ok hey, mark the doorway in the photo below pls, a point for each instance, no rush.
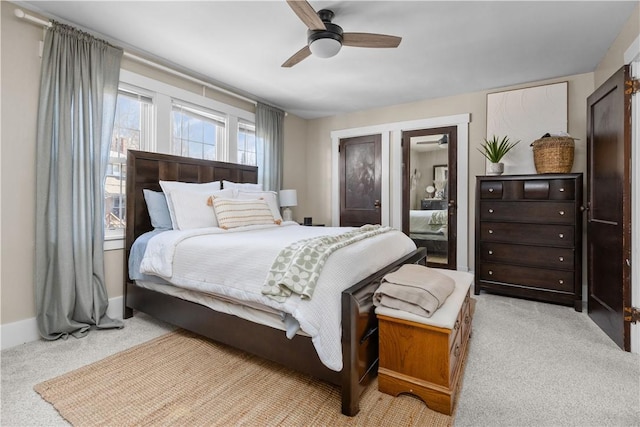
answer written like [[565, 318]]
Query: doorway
[[430, 192]]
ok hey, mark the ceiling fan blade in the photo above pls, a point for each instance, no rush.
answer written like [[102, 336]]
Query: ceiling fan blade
[[370, 40], [307, 14], [297, 57]]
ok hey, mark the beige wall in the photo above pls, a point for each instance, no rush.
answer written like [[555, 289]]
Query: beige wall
[[307, 160], [19, 88], [319, 136]]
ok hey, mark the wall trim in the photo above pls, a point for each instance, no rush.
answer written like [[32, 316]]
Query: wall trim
[[24, 331], [392, 182]]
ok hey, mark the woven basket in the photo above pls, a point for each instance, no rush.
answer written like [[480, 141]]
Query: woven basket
[[553, 154]]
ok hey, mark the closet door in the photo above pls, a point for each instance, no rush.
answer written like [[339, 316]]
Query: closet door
[[360, 180], [430, 188]]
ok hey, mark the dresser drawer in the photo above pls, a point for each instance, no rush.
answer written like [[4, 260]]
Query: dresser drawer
[[552, 235], [557, 280], [491, 190], [562, 189], [534, 256], [552, 189], [530, 211]]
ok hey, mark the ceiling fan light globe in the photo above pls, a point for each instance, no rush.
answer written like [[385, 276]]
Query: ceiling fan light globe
[[325, 47]]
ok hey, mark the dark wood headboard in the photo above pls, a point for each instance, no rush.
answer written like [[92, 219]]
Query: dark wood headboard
[[145, 170]]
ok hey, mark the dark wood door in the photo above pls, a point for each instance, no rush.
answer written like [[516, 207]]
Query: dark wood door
[[441, 250], [608, 206], [360, 180]]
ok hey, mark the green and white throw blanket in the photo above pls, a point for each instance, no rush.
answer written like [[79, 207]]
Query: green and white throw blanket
[[297, 267]]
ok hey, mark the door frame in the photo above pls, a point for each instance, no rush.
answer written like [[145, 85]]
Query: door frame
[[632, 57], [392, 170]]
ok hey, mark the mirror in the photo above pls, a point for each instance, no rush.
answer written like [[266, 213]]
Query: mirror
[[428, 207]]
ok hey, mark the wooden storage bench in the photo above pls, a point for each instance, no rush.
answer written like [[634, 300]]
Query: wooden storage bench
[[424, 356]]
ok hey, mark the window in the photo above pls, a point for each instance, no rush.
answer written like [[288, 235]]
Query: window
[[196, 132], [155, 116], [247, 143], [131, 130]]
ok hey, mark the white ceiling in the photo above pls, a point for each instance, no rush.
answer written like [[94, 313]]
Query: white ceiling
[[447, 47]]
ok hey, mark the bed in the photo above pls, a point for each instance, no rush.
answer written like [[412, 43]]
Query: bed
[[358, 341], [429, 228]]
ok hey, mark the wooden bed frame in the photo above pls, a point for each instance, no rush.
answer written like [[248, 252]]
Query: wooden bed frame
[[359, 323]]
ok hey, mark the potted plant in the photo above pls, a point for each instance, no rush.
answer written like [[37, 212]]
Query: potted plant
[[494, 150]]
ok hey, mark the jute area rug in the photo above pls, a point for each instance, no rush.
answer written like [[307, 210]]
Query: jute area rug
[[182, 379]]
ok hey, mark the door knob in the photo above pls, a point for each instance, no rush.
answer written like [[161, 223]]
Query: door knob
[[377, 204], [452, 203]]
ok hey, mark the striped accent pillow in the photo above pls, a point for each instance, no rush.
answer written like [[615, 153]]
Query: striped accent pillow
[[233, 213]]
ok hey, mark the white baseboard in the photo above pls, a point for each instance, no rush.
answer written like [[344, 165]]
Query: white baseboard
[[24, 331]]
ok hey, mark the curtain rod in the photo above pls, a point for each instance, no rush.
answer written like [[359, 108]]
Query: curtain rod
[[20, 14]]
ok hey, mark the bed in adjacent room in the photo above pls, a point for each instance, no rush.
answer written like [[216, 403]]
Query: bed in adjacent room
[[429, 228], [252, 284]]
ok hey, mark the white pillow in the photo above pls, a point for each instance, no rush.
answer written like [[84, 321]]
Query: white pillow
[[192, 209], [271, 197], [233, 213], [241, 186], [169, 187]]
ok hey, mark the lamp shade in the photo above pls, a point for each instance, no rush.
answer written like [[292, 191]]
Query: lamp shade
[[325, 47], [288, 198]]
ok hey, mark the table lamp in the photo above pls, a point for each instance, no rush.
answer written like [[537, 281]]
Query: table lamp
[[288, 198]]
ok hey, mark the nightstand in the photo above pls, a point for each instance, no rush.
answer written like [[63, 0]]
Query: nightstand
[[433, 204]]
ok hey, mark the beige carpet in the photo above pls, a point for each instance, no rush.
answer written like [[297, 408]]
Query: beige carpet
[[183, 379]]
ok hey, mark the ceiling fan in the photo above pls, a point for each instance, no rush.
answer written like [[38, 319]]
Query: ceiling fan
[[324, 39]]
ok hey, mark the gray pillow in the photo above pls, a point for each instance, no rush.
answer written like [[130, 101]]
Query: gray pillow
[[158, 209]]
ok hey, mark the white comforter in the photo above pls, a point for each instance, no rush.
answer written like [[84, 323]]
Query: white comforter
[[234, 263]]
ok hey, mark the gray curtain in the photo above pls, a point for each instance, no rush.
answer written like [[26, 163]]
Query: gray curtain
[[270, 131], [78, 90]]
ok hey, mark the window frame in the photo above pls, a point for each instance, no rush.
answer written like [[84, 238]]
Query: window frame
[[163, 95]]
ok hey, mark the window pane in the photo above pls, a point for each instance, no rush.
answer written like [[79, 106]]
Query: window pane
[[209, 152], [247, 144], [200, 132], [133, 114], [196, 130]]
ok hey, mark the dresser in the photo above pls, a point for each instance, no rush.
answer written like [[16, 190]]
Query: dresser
[[528, 240]]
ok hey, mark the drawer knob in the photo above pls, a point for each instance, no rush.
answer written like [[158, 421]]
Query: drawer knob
[[561, 235], [561, 259], [491, 190], [490, 272], [561, 281], [490, 210], [561, 212], [490, 231], [490, 252], [562, 190]]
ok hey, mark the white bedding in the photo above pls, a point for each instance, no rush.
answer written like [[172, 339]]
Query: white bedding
[[427, 221], [234, 263]]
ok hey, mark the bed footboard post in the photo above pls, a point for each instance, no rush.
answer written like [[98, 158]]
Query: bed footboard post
[[350, 378], [360, 334]]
